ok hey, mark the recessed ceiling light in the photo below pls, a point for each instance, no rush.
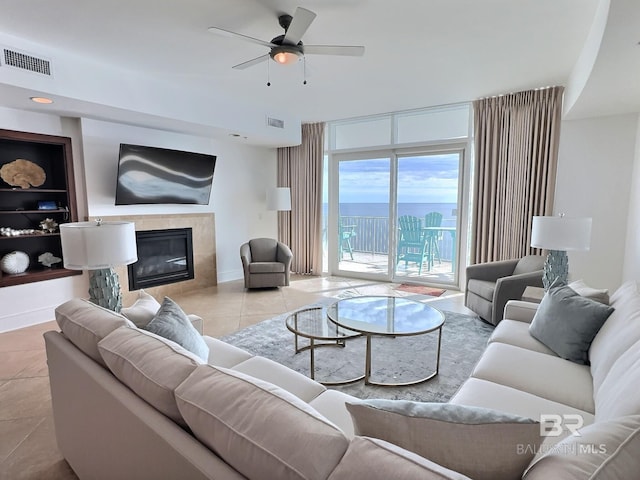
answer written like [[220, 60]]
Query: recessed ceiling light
[[41, 100]]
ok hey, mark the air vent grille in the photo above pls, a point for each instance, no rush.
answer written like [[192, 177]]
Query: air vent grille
[[275, 122], [26, 62]]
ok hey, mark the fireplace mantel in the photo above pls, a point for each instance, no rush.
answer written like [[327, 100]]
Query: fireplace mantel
[[204, 251]]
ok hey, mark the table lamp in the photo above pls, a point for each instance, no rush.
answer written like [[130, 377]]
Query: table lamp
[[98, 246], [557, 235]]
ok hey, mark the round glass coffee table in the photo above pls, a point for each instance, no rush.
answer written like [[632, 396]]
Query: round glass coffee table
[[313, 324], [387, 317]]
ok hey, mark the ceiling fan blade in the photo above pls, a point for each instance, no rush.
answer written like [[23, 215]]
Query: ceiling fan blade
[[251, 63], [349, 50], [298, 26], [227, 33]]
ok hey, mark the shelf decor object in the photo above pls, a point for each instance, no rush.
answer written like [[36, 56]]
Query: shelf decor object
[[36, 171], [48, 259], [99, 246], [557, 235], [23, 173], [14, 262]]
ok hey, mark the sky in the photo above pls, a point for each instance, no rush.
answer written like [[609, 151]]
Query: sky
[[423, 179]]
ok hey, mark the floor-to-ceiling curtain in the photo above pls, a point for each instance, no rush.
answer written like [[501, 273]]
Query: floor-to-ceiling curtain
[[300, 168], [516, 156]]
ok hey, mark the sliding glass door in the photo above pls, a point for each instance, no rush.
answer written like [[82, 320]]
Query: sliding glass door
[[395, 215], [362, 223], [427, 200]]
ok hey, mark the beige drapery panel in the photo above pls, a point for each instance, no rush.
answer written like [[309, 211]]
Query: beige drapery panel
[[516, 157], [300, 168]]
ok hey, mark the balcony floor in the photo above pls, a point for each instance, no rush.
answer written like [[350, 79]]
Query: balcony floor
[[440, 274]]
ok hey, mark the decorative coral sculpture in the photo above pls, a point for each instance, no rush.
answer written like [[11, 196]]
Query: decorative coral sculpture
[[22, 173], [47, 259]]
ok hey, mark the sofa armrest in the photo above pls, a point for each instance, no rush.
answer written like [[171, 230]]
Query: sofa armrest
[[284, 255], [245, 255], [196, 321], [512, 288], [491, 271], [520, 310]]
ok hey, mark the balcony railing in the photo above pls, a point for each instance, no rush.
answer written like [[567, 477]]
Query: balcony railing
[[372, 236]]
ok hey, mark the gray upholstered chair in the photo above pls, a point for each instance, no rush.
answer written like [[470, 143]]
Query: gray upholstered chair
[[266, 263], [490, 285]]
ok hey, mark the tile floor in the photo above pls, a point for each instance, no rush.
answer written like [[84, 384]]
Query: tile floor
[[27, 438]]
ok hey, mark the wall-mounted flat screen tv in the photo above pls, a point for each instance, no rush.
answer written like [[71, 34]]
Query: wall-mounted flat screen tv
[[148, 175]]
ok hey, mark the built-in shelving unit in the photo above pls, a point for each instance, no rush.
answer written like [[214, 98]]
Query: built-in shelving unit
[[19, 207]]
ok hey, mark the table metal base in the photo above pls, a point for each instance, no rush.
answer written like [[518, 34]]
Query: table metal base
[[312, 368], [367, 369]]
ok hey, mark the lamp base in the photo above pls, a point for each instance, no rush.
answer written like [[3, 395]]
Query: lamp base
[[104, 289], [556, 266]]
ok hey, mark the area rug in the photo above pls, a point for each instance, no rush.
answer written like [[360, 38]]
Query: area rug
[[394, 359], [421, 290]]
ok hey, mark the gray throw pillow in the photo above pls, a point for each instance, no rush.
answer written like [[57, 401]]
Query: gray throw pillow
[[566, 322], [172, 323]]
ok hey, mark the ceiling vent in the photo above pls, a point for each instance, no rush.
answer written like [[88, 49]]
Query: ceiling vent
[[23, 61], [275, 122]]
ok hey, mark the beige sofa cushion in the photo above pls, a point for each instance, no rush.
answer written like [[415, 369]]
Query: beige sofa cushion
[[293, 382], [484, 444], [373, 459], [332, 404], [543, 375], [598, 294], [142, 311], [85, 324], [482, 393], [604, 451], [618, 396], [516, 333], [257, 427], [223, 354], [149, 365], [619, 332]]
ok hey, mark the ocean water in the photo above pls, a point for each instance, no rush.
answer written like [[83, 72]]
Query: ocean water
[[448, 210], [371, 222]]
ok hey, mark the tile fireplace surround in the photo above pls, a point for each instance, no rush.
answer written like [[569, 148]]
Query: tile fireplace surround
[[204, 251]]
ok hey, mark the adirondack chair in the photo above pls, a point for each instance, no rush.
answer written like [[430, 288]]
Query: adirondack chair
[[412, 242], [433, 219]]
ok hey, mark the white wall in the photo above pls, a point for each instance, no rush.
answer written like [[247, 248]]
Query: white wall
[[594, 170], [631, 269], [238, 195], [238, 199]]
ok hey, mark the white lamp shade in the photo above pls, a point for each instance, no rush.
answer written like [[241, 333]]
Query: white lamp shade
[[92, 246], [561, 233], [279, 198]]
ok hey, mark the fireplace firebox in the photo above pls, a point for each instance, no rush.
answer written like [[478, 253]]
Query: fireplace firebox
[[164, 256]]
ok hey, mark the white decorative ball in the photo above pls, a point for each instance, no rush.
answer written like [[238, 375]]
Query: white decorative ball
[[14, 262]]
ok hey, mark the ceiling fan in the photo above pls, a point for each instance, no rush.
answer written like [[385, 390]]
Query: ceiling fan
[[288, 48]]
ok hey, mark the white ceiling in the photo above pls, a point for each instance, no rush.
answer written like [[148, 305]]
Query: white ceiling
[[419, 53]]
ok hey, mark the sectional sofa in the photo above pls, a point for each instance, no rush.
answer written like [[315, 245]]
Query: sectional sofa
[[128, 403]]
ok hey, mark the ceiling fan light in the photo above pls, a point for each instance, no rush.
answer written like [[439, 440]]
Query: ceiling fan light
[[286, 55]]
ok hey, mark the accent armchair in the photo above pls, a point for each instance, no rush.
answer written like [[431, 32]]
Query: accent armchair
[[266, 263], [490, 285]]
